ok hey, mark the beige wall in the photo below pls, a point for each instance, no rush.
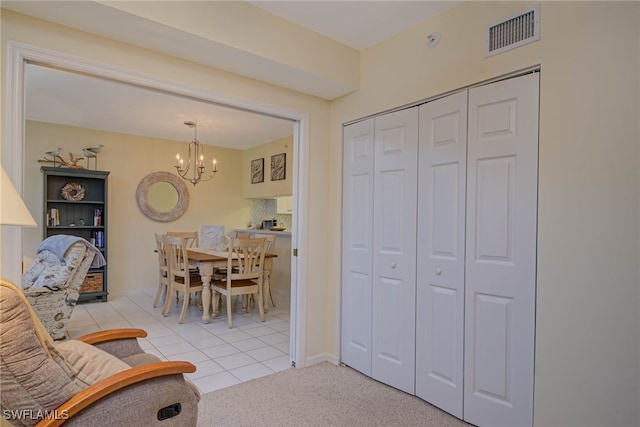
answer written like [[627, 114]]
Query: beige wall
[[268, 188], [51, 36], [130, 158], [280, 41], [587, 343], [587, 328]]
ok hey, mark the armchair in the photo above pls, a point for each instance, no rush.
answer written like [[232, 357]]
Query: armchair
[[101, 379], [52, 283]]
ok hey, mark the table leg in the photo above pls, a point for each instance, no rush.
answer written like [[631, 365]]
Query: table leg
[[266, 292], [266, 286], [206, 273], [206, 298]]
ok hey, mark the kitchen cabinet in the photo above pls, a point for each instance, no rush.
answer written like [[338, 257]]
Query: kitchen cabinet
[[268, 188], [284, 205]]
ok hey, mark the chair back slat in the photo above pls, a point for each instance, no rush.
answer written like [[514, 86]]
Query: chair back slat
[[190, 237], [271, 242], [162, 258], [180, 277], [163, 269], [248, 254], [176, 253]]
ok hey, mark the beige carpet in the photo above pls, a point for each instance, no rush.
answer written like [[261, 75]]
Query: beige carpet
[[320, 395]]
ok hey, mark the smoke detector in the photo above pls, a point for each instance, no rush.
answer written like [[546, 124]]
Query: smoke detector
[[433, 39]]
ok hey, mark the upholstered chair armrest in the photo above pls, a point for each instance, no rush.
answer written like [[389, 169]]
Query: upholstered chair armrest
[[112, 334], [121, 343], [109, 402]]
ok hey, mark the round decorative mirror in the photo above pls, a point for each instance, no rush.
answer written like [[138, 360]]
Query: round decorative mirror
[[162, 196]]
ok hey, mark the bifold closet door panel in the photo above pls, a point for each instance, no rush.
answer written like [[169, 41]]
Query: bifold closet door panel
[[357, 245], [442, 170], [502, 171], [394, 248]]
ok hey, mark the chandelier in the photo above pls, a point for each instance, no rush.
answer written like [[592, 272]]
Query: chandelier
[[195, 161]]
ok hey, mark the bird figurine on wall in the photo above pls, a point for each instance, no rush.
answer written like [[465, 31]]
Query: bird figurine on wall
[[92, 152]]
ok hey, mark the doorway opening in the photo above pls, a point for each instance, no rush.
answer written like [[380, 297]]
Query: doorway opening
[[13, 149]]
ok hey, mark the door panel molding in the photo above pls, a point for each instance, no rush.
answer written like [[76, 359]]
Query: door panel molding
[[441, 241]]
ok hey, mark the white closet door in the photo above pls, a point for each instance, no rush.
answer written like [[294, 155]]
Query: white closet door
[[394, 246], [501, 252], [357, 254], [441, 249]]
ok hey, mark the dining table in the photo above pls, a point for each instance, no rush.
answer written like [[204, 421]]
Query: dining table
[[207, 260]]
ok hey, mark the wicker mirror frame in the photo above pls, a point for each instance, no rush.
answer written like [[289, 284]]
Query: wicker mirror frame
[[142, 196]]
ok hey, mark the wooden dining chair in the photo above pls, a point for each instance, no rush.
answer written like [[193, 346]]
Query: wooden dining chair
[[181, 279], [190, 237], [191, 241], [221, 272], [271, 244], [245, 272], [266, 283], [163, 270]]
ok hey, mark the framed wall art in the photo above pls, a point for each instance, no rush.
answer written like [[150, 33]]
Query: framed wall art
[[278, 167], [257, 171]]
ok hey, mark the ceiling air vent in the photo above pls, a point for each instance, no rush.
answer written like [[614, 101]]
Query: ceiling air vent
[[516, 31]]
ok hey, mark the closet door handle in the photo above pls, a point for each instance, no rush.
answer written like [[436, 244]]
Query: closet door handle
[[393, 265], [438, 271]]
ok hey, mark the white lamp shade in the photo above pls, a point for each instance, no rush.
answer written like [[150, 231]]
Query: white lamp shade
[[12, 208]]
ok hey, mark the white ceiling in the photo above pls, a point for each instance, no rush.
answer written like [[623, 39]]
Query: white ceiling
[[358, 24], [61, 97], [78, 100]]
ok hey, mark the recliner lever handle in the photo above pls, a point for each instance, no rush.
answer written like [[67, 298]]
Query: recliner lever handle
[[169, 411]]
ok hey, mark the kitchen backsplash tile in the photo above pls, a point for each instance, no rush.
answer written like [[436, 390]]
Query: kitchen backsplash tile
[[263, 209]]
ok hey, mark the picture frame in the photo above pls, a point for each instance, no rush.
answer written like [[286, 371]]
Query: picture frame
[[257, 171], [279, 167]]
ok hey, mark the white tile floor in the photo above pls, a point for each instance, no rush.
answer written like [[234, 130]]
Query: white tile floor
[[222, 356]]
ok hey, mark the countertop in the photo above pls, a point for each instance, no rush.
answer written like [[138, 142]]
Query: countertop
[[257, 230]]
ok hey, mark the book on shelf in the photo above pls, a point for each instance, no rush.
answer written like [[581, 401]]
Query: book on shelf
[[97, 217], [98, 237], [53, 217]]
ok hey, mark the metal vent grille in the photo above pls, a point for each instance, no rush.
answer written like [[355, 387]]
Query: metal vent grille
[[516, 31]]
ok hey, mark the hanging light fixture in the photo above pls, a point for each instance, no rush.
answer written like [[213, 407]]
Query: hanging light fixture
[[195, 161]]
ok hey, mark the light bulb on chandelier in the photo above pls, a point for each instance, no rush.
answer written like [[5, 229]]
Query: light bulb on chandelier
[[195, 161]]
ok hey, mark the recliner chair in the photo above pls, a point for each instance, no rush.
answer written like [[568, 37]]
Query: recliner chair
[[52, 283], [103, 378]]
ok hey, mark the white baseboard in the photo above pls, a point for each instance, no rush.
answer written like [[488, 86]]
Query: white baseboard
[[319, 358]]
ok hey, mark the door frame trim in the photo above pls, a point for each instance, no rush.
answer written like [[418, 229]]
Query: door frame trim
[[518, 73], [13, 153]]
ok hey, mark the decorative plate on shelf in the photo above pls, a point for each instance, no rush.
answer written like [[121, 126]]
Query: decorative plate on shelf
[[277, 228], [73, 191]]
